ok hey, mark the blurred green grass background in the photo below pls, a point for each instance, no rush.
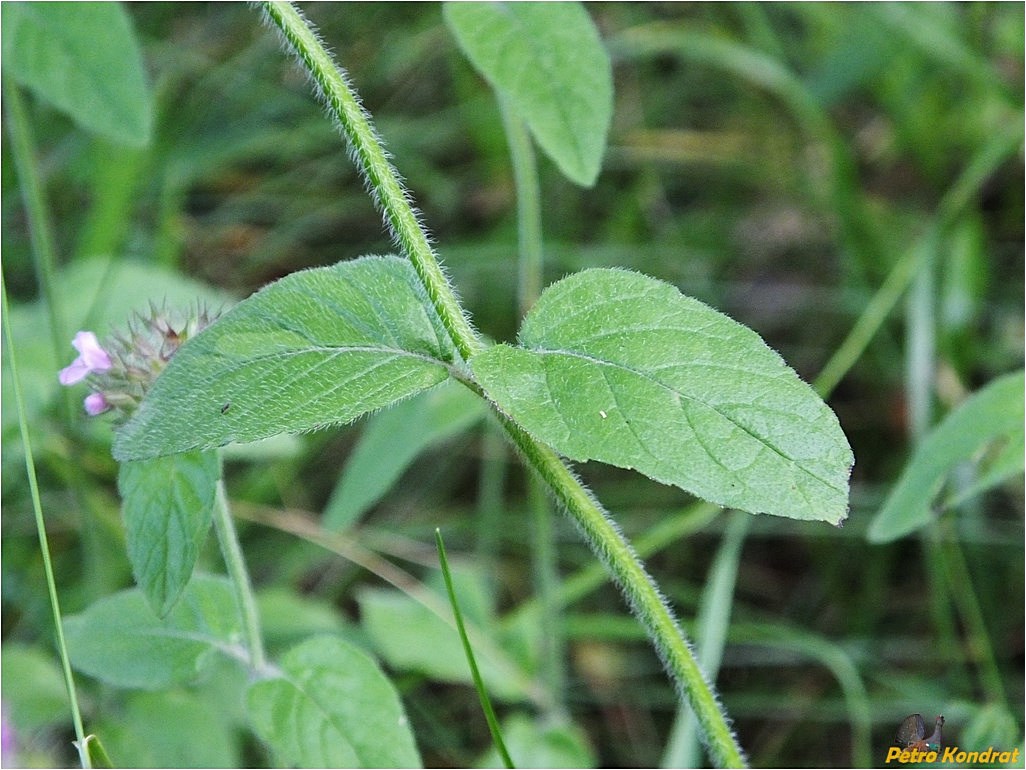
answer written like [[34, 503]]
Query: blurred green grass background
[[778, 165]]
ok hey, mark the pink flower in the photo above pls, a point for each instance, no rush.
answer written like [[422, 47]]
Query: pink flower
[[91, 359], [96, 403]]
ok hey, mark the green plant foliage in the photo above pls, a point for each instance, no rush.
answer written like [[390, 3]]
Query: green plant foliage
[[166, 505], [995, 413], [332, 707], [392, 440], [468, 649], [548, 61], [797, 166], [534, 744], [991, 725], [287, 617], [410, 637], [317, 348], [622, 368], [98, 756], [32, 688], [84, 59], [175, 728], [120, 641]]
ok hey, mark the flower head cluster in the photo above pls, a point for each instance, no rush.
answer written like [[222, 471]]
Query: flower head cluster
[[122, 369]]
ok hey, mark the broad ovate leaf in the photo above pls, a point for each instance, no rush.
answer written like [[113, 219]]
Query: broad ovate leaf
[[84, 59], [120, 641], [319, 347], [993, 415], [548, 62], [622, 368], [166, 504], [332, 707]]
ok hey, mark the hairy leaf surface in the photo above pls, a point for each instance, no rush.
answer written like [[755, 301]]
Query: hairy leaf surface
[[317, 348], [622, 368], [547, 59]]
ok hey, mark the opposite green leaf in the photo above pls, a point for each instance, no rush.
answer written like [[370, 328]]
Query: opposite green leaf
[[332, 708], [84, 59], [121, 642], [166, 504], [317, 348], [994, 413], [622, 368], [547, 59]]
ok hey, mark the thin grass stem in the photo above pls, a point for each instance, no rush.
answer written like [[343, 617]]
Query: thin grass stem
[[44, 546], [479, 685]]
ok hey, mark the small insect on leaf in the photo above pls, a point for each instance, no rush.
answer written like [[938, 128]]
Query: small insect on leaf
[[226, 407]]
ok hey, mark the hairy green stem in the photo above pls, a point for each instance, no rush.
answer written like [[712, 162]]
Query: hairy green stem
[[228, 539], [595, 524], [641, 592], [383, 181], [44, 547], [711, 628]]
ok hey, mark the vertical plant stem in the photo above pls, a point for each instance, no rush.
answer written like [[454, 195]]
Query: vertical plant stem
[[546, 582], [228, 539], [920, 360], [44, 546], [599, 530], [529, 225], [488, 521], [960, 583]]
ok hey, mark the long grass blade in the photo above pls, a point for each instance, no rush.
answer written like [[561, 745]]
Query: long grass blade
[[44, 546], [482, 693]]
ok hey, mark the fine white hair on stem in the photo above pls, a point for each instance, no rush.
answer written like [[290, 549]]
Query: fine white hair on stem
[[381, 180]]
